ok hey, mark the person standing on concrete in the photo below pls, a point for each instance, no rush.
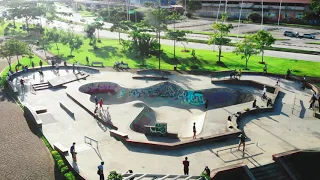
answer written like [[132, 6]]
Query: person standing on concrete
[[101, 103], [206, 104], [194, 131], [278, 82], [312, 101], [57, 68], [207, 170], [72, 149], [186, 166], [264, 95], [22, 84], [254, 104], [73, 68], [40, 63], [96, 100], [100, 171], [242, 141], [32, 64]]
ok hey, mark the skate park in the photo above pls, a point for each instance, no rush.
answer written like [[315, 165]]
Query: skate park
[[136, 106]]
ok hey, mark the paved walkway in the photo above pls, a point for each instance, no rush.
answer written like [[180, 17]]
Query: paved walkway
[[23, 154]]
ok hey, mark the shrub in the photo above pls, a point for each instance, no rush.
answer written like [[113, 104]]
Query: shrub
[[69, 176], [254, 17], [64, 169], [60, 163], [204, 176], [114, 176], [194, 67]]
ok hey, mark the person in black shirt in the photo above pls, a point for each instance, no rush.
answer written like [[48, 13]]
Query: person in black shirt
[[186, 166], [242, 141], [194, 131]]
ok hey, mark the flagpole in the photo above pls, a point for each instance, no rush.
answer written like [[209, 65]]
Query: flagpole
[[279, 12]]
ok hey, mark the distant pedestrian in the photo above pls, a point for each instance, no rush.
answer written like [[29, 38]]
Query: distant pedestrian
[[40, 63], [278, 82], [206, 104], [239, 74], [22, 84], [96, 100], [57, 67], [73, 149], [52, 63], [32, 64], [100, 171], [264, 92], [254, 104], [288, 74], [265, 69], [41, 74], [78, 66], [101, 102], [73, 68], [194, 131], [269, 102], [242, 141], [186, 164], [87, 59], [17, 69], [95, 113], [312, 101]]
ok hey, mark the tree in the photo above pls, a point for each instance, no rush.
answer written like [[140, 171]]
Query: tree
[[220, 30], [55, 36], [178, 35], [246, 48], [254, 17], [263, 39], [98, 25], [14, 47], [119, 23], [157, 19], [192, 5], [90, 29], [73, 41], [114, 176], [26, 11], [314, 11]]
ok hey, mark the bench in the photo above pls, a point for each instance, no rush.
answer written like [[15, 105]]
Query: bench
[[40, 110], [60, 148], [64, 107], [118, 134], [93, 63]]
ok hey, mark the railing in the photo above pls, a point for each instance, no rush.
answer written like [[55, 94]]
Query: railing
[[89, 141]]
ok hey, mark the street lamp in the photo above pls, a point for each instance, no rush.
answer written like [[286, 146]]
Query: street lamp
[[279, 13], [262, 14], [239, 20]]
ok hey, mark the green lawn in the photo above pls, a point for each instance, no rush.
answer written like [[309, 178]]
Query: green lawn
[[110, 51], [13, 32], [25, 61], [313, 43], [86, 13]]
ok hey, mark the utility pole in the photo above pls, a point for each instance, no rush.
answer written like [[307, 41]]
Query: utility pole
[[279, 13], [159, 55]]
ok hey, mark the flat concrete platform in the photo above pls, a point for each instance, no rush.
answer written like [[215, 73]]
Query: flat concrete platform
[[290, 126], [61, 80]]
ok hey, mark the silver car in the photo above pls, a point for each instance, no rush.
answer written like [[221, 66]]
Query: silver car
[[309, 36]]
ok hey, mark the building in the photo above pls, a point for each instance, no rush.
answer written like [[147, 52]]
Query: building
[[290, 9]]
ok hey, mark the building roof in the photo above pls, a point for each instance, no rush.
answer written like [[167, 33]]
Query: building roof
[[267, 1]]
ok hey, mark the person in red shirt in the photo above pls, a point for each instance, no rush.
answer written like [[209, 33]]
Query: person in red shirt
[[17, 69], [186, 166], [100, 102]]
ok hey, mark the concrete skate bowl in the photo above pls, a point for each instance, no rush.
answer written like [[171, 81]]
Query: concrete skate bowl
[[167, 94]]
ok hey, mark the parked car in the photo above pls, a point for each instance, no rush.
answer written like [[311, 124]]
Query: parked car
[[82, 20], [309, 36], [290, 34]]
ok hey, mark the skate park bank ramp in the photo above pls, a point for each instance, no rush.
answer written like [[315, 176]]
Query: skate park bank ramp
[[115, 94]]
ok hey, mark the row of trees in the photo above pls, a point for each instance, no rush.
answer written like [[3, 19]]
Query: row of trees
[[251, 44]]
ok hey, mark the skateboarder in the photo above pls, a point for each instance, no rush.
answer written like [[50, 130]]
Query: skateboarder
[[101, 102], [242, 141], [96, 100], [194, 131], [186, 166], [73, 152]]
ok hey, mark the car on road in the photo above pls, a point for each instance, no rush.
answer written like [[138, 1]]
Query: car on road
[[290, 34], [82, 20], [309, 36]]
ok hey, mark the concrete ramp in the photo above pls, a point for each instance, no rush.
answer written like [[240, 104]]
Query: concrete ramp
[[186, 130], [145, 117]]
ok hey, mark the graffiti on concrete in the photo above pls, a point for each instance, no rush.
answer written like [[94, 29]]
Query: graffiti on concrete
[[159, 128], [95, 88]]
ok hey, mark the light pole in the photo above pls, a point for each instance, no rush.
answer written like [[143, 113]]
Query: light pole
[[225, 9], [262, 14], [218, 11], [279, 12], [239, 20]]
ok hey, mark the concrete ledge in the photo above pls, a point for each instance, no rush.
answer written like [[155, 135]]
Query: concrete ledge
[[287, 153], [109, 124], [66, 108], [118, 135], [153, 72], [31, 114], [228, 169], [58, 147], [154, 78]]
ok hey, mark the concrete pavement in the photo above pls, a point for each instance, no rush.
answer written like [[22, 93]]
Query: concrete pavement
[[268, 133]]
